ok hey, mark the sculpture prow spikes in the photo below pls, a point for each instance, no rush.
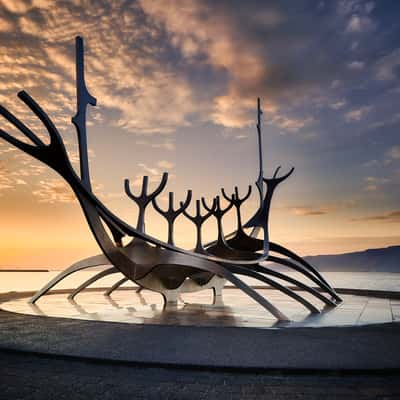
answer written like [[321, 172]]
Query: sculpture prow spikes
[[260, 218]]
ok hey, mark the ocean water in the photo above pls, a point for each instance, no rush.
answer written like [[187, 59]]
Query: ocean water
[[29, 281]]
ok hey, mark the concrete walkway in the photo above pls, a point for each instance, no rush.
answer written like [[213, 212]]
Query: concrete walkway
[[330, 348], [32, 377]]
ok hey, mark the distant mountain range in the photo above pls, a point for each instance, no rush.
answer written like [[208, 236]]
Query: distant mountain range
[[372, 260]]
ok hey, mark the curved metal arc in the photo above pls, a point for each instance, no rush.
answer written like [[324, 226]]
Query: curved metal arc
[[116, 286], [246, 196], [83, 264], [221, 211], [276, 180], [20, 126], [296, 282], [43, 117], [171, 212], [253, 274], [203, 202], [312, 277], [128, 190], [91, 280], [229, 199], [198, 218], [235, 198], [277, 248], [276, 171], [186, 203], [144, 196]]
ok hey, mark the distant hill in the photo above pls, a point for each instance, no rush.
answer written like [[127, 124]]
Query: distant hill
[[372, 260]]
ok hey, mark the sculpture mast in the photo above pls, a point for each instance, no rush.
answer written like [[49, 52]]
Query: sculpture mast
[[83, 98], [259, 182]]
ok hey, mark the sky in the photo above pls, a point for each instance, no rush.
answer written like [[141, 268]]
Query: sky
[[176, 84]]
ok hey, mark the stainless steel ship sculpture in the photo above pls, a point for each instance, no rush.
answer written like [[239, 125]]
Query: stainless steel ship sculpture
[[162, 266]]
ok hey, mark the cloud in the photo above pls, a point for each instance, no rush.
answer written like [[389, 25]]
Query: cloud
[[370, 163], [290, 124], [57, 191], [388, 67], [166, 144], [54, 191], [374, 184], [15, 167], [393, 154], [16, 6], [356, 65], [357, 114], [125, 65], [392, 216], [6, 24], [6, 182], [360, 24], [152, 74], [165, 164], [29, 26], [307, 211], [338, 105], [323, 209], [391, 120], [154, 173], [346, 7], [230, 39], [213, 34]]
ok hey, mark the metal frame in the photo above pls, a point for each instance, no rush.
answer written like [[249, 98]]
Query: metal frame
[[158, 265]]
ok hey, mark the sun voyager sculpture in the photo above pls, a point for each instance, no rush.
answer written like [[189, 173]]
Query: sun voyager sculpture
[[162, 266]]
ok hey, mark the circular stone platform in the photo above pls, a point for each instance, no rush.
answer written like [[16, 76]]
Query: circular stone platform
[[235, 309], [130, 327]]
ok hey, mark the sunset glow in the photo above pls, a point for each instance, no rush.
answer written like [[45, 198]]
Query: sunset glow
[[177, 89]]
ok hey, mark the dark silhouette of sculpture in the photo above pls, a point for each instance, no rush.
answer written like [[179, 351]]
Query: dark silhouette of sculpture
[[162, 266]]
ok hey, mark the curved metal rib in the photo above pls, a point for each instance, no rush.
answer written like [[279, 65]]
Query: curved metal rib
[[115, 286], [91, 280], [276, 285], [296, 282], [277, 248], [298, 268], [83, 264], [251, 243]]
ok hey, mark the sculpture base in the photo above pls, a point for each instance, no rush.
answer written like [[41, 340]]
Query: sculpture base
[[204, 335]]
